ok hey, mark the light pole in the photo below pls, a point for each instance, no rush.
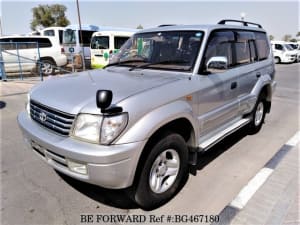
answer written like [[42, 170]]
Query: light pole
[[80, 31], [1, 27], [243, 15]]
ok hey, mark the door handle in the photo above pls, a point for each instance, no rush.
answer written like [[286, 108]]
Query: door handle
[[258, 74], [233, 85]]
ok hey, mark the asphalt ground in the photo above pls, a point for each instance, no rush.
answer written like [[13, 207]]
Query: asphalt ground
[[33, 193]]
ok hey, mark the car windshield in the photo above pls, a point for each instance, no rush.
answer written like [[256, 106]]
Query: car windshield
[[168, 50], [294, 46], [288, 47], [100, 42]]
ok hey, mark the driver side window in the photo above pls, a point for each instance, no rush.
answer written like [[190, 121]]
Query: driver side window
[[218, 52]]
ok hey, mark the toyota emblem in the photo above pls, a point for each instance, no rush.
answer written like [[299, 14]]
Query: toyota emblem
[[43, 117]]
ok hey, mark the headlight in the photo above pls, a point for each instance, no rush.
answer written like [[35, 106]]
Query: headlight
[[87, 127], [28, 104], [112, 126], [99, 129]]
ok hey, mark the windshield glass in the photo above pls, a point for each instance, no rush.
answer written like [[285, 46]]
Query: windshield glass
[[294, 46], [100, 42], [69, 36], [288, 47], [170, 50]]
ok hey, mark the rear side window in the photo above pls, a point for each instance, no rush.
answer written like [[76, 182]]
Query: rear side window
[[119, 41], [26, 43], [253, 52], [7, 44], [49, 33], [86, 37], [43, 42], [242, 46], [262, 45]]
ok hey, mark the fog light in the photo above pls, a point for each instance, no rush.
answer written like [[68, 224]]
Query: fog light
[[77, 167]]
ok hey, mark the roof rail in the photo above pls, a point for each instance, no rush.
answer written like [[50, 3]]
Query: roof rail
[[245, 23], [166, 25]]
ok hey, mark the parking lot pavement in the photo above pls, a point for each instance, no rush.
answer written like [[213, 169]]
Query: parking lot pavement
[[33, 193], [16, 87], [272, 195], [276, 202]]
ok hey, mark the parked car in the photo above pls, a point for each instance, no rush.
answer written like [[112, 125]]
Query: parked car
[[140, 122], [28, 50], [56, 32], [283, 52], [105, 43], [296, 46]]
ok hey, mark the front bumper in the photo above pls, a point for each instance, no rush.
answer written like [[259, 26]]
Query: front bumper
[[289, 59], [107, 166]]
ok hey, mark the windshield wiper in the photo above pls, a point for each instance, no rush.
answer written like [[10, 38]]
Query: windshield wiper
[[124, 62], [146, 65]]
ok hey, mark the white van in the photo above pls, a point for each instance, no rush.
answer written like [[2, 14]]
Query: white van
[[106, 43], [56, 32], [283, 52], [296, 46], [27, 50], [74, 44]]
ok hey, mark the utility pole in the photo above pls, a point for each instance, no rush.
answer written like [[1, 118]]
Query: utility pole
[[1, 27], [80, 31]]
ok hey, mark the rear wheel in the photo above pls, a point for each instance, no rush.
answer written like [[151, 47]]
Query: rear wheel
[[164, 172], [277, 60], [47, 67], [258, 116]]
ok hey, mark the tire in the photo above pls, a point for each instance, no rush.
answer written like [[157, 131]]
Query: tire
[[258, 116], [164, 172], [47, 67], [277, 60]]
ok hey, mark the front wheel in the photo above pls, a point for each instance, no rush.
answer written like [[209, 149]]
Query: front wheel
[[277, 60], [164, 172]]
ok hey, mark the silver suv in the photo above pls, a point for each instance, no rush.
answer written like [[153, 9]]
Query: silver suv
[[171, 92]]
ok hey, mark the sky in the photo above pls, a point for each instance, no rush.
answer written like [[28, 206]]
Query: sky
[[277, 17]]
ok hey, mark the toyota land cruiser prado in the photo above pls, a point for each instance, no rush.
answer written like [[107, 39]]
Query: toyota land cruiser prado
[[171, 92]]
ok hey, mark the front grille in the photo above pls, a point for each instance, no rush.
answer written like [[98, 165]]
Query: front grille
[[54, 120]]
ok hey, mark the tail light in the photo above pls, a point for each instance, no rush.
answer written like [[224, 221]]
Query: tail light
[[62, 50]]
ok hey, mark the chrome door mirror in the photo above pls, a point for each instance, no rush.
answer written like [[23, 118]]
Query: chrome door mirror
[[217, 64]]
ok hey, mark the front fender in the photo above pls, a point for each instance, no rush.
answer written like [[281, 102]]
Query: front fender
[[146, 126]]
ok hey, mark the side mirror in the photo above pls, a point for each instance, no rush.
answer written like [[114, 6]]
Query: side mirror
[[217, 63], [103, 99]]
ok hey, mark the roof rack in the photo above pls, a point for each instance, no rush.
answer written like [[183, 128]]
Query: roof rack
[[166, 25], [245, 23]]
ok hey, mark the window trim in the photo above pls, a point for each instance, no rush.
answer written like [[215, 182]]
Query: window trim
[[258, 59]]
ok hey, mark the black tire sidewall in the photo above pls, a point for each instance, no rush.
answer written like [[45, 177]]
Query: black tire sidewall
[[144, 196], [48, 62], [253, 127]]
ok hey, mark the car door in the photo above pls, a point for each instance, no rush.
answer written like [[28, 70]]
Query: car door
[[217, 97], [252, 71]]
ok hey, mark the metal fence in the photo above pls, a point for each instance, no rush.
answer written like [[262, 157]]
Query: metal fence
[[22, 59]]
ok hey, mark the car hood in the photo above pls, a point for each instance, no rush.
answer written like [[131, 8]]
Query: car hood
[[77, 92]]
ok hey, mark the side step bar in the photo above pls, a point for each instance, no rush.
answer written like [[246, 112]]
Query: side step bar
[[224, 133]]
